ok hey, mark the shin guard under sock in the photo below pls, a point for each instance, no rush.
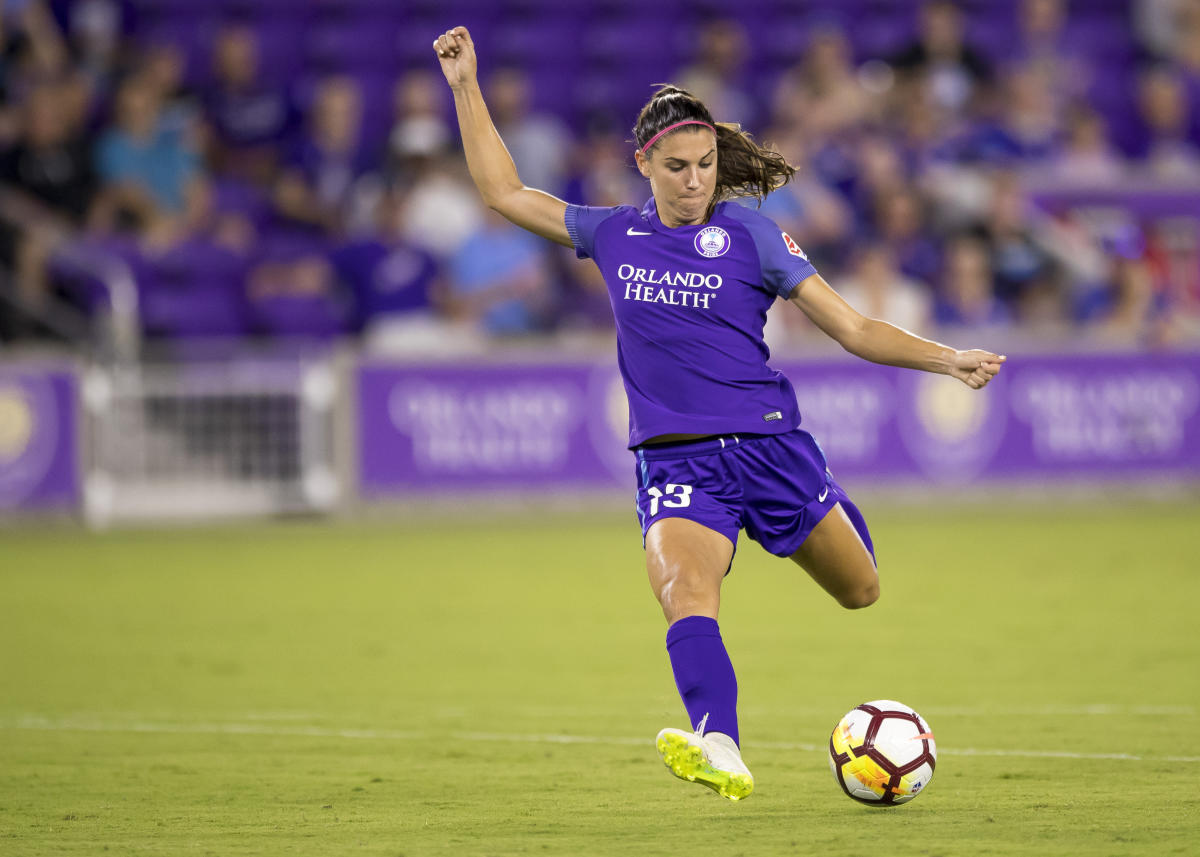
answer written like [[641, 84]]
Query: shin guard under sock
[[704, 674]]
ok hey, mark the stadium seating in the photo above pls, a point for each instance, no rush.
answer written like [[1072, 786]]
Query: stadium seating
[[589, 63]]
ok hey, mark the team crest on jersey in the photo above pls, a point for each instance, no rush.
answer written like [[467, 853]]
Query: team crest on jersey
[[712, 241], [793, 247]]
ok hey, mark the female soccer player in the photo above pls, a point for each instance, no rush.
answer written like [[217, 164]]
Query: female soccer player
[[715, 431]]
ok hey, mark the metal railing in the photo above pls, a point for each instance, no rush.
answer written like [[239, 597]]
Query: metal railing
[[120, 329]]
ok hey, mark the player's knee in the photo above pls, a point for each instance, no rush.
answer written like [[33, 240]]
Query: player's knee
[[682, 588], [860, 596], [686, 595]]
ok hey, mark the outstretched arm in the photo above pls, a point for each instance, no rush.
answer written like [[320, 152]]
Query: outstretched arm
[[881, 342], [488, 160]]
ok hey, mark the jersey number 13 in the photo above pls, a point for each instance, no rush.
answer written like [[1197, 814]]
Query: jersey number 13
[[677, 496]]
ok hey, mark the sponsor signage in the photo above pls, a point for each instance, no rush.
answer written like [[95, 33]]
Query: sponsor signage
[[486, 427], [455, 428], [39, 468]]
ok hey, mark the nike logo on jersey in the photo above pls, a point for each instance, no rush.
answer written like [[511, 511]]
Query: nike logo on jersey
[[632, 231], [824, 493]]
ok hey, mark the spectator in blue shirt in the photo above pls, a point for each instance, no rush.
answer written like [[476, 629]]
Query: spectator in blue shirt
[[499, 279], [151, 179]]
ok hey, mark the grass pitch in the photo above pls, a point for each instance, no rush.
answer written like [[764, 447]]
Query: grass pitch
[[467, 688]]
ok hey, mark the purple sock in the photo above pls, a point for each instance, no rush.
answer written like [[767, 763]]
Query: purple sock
[[704, 674]]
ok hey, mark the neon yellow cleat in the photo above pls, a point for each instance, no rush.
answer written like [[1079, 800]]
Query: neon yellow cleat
[[712, 760]]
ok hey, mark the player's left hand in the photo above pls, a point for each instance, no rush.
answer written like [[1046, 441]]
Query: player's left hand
[[975, 368]]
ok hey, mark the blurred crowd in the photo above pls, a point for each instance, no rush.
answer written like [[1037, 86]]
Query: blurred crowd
[[330, 205]]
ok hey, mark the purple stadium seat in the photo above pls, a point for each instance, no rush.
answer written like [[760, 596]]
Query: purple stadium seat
[[279, 58], [601, 91], [235, 197], [1106, 40], [743, 10], [193, 37], [149, 9], [357, 8], [547, 41], [621, 45], [553, 89], [452, 10], [289, 315], [320, 315], [285, 245], [258, 9], [1112, 94], [785, 43], [1192, 88], [377, 116], [351, 45], [845, 12], [194, 289], [878, 37], [413, 41], [992, 32]]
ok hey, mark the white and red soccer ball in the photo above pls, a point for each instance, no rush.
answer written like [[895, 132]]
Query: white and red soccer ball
[[882, 753]]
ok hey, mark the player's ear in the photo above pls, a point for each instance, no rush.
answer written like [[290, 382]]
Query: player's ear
[[643, 163]]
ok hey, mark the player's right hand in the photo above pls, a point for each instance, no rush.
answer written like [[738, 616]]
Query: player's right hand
[[456, 53]]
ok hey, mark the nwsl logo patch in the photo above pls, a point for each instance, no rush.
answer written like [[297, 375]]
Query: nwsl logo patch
[[793, 247], [712, 241]]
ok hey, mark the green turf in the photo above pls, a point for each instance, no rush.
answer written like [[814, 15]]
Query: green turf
[[322, 689]]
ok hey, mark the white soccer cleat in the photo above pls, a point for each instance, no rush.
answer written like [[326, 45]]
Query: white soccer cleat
[[712, 760]]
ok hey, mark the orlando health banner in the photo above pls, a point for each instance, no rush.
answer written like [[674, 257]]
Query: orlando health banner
[[39, 468], [473, 427], [458, 428]]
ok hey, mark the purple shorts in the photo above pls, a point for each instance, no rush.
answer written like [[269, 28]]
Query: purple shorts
[[776, 487]]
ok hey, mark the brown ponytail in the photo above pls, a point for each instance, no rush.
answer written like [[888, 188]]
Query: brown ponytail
[[744, 168]]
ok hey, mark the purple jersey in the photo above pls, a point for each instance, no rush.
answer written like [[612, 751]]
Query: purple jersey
[[690, 304]]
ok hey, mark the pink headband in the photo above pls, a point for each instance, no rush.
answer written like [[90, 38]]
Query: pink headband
[[646, 147]]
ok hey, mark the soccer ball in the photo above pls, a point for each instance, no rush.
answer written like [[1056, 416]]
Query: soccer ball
[[882, 753]]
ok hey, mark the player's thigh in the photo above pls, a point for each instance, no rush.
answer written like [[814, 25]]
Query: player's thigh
[[686, 563], [836, 557]]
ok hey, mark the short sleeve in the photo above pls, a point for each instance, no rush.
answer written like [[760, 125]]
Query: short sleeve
[[784, 264], [109, 161], [581, 222]]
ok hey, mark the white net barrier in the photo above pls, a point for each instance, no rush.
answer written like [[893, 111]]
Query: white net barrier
[[213, 439]]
